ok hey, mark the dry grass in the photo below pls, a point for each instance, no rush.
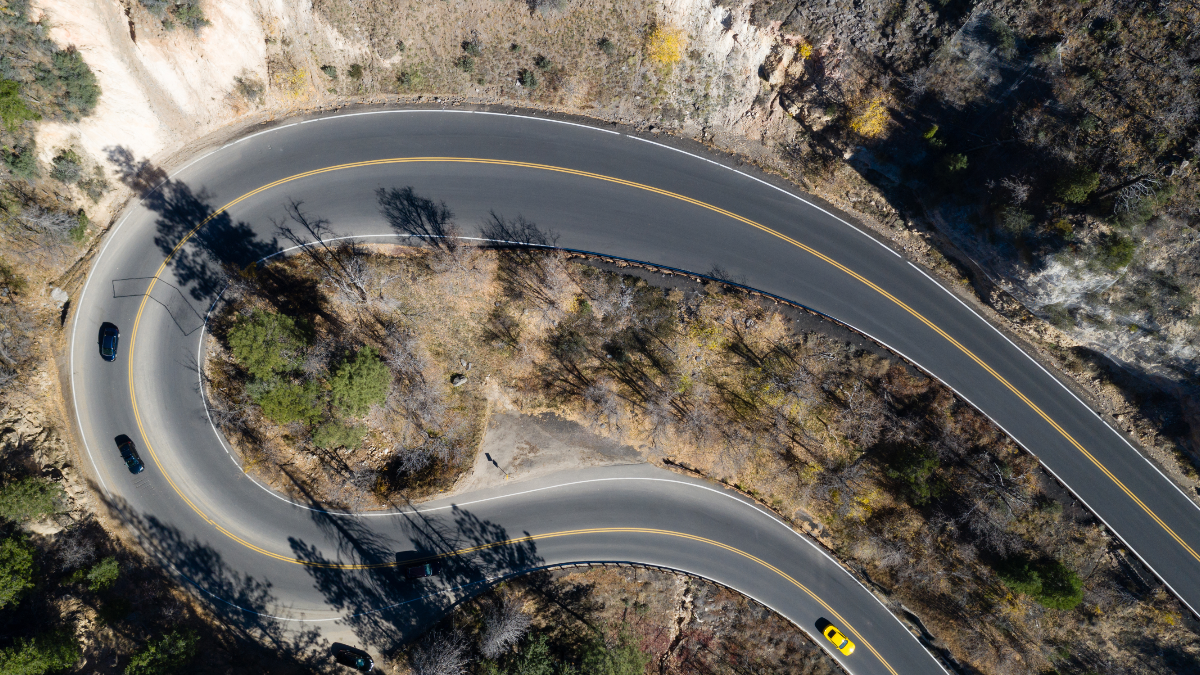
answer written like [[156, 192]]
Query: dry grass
[[686, 625], [821, 431]]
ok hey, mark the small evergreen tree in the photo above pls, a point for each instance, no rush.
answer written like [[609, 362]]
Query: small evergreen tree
[[360, 382], [103, 574], [47, 653], [12, 107], [287, 403], [1049, 582], [624, 658], [29, 498], [338, 435], [16, 570], [267, 343], [164, 656], [1078, 185]]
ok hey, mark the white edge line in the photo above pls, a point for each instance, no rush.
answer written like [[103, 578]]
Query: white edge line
[[773, 187], [74, 331], [246, 138], [547, 119], [455, 505], [1060, 383], [1040, 462]]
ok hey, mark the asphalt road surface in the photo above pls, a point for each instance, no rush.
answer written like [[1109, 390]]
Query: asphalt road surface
[[265, 559]]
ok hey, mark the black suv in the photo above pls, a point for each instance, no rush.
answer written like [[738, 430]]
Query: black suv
[[110, 335], [355, 658], [129, 453], [413, 572]]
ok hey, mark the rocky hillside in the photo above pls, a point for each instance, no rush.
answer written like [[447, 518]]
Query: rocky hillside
[[1053, 145]]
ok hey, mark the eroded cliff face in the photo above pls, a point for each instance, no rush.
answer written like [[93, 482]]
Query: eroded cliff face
[[1046, 149]]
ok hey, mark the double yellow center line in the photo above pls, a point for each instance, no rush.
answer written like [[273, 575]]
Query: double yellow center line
[[646, 188]]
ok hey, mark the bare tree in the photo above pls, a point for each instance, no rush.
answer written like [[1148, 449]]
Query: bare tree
[[75, 549], [356, 488], [14, 343], [1018, 188], [604, 401], [1131, 195], [410, 460], [350, 274], [504, 625], [917, 82], [440, 654]]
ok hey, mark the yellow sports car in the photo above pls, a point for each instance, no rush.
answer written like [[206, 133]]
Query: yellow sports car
[[840, 641]]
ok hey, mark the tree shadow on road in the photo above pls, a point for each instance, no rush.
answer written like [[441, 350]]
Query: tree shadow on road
[[417, 216], [215, 247], [378, 603], [245, 611]]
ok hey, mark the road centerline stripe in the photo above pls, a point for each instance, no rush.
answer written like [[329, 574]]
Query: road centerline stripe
[[639, 186]]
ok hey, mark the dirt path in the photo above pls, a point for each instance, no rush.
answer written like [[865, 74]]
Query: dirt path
[[520, 447]]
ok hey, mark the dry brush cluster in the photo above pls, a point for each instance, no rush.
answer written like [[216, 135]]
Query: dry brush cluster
[[906, 483]]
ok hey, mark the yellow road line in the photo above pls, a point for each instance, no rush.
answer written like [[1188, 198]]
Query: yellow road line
[[626, 183]]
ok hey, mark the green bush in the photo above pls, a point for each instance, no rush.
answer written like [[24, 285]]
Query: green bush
[[1077, 185], [95, 186], [472, 48], [527, 78], [16, 570], [267, 343], [66, 167], [12, 107], [954, 163], [287, 402], [914, 469], [1003, 36], [79, 91], [189, 15], [11, 279], [29, 498], [533, 659], [330, 71], [1049, 582], [355, 71], [338, 435], [623, 658], [543, 63], [22, 161], [360, 383], [1059, 316], [1014, 220], [166, 655], [607, 46], [79, 231], [1116, 251], [47, 653], [931, 138], [465, 63], [103, 574]]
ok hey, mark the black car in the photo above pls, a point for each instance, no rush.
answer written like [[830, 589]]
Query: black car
[[110, 335], [355, 658], [129, 454], [423, 570]]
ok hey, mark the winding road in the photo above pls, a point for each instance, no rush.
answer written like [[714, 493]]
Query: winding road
[[268, 560]]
